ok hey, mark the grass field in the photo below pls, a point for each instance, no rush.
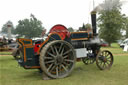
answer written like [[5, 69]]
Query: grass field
[[5, 53], [12, 74]]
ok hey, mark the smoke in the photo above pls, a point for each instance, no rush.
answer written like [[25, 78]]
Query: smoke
[[109, 5], [98, 8]]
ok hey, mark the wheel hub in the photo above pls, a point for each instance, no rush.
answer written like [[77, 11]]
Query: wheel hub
[[105, 60], [59, 60]]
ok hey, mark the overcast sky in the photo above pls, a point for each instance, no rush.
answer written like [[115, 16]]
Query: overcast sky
[[71, 13]]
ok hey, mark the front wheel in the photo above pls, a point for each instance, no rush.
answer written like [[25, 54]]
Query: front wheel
[[104, 60], [57, 59]]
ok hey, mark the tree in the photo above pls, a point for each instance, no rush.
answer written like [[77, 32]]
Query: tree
[[5, 27], [83, 28], [70, 29], [29, 28], [88, 26], [110, 23], [126, 26]]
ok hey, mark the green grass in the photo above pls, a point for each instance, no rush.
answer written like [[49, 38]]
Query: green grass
[[115, 49], [5, 53], [12, 74]]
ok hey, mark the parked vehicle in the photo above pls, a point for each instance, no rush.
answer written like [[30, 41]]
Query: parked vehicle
[[119, 41], [104, 44], [122, 44]]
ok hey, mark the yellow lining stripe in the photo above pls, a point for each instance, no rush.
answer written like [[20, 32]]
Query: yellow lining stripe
[[78, 33], [21, 41], [80, 39]]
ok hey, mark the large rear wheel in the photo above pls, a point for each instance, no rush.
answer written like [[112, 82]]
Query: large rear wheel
[[57, 59]]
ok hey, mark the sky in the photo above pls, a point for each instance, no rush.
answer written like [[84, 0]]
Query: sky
[[71, 13]]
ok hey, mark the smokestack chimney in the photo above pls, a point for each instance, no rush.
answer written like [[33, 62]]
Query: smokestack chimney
[[93, 18]]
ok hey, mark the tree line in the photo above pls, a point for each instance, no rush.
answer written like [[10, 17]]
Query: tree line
[[29, 28], [110, 24], [32, 27]]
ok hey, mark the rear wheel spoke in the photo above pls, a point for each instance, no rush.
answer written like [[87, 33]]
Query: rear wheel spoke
[[51, 61], [48, 58], [59, 68], [56, 50], [53, 67], [72, 61], [51, 54], [67, 52], [49, 67], [66, 63], [64, 68], [57, 72], [62, 51], [60, 47], [52, 49], [65, 56]]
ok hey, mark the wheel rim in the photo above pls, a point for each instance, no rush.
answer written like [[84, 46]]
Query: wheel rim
[[104, 60], [58, 60]]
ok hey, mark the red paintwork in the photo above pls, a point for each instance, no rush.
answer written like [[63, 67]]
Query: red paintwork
[[62, 30], [36, 47], [104, 45]]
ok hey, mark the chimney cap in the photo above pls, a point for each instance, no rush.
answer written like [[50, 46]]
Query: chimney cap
[[93, 12]]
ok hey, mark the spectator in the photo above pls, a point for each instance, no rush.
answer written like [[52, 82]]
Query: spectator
[[4, 40]]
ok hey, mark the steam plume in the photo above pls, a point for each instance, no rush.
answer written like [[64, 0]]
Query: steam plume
[[109, 5]]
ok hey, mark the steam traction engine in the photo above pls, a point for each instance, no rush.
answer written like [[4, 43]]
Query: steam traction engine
[[56, 55]]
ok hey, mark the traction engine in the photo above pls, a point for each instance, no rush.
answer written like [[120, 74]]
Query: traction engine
[[57, 54]]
